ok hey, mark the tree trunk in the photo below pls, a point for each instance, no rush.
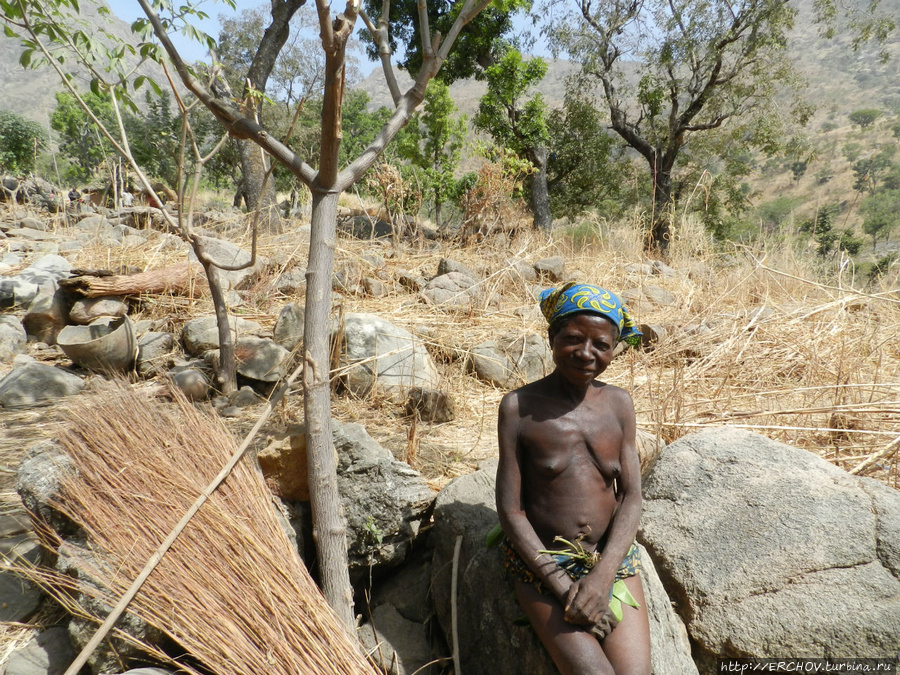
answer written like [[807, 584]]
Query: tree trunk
[[253, 166], [177, 279], [540, 196], [253, 172], [225, 375], [663, 207], [437, 210], [329, 525]]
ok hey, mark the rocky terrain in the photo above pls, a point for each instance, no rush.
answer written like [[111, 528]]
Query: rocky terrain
[[429, 333]]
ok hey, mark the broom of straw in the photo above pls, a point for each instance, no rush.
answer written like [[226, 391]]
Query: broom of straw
[[231, 590]]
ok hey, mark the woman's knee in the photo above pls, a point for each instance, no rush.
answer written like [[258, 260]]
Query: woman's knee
[[587, 661]]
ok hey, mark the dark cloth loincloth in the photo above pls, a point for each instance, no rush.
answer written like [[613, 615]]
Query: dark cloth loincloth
[[518, 570]]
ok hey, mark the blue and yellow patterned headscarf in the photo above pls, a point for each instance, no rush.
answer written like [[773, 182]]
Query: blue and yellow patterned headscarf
[[571, 298]]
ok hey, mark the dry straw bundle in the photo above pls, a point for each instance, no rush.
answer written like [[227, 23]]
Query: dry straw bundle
[[231, 590]]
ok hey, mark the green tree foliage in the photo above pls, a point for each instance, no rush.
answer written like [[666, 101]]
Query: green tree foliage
[[359, 124], [155, 137], [865, 117], [867, 172], [867, 21], [891, 179], [518, 122], [154, 134], [586, 165], [704, 67], [476, 43], [774, 213], [851, 151], [79, 139], [828, 239], [881, 213], [432, 141], [504, 112], [882, 266], [798, 168], [20, 142]]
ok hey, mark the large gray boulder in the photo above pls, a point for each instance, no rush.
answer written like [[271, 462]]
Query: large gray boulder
[[12, 337], [512, 360], [447, 265], [37, 382], [22, 288], [385, 357], [19, 597], [770, 550], [261, 359], [47, 316], [230, 255], [385, 501], [289, 327], [154, 352], [453, 289], [397, 645], [41, 473], [50, 652], [489, 635], [77, 561], [201, 335], [86, 310]]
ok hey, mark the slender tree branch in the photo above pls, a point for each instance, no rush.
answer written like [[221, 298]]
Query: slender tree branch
[[380, 37], [469, 11], [425, 30], [409, 101], [326, 32], [237, 124]]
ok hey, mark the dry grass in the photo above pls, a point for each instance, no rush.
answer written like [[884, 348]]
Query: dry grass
[[818, 368], [768, 340], [232, 590]]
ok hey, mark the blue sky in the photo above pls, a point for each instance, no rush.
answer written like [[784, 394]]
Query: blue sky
[[129, 10]]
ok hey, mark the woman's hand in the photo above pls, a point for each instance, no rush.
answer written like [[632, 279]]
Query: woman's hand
[[605, 626], [587, 602]]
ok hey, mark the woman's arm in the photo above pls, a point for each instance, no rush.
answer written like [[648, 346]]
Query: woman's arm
[[510, 508]]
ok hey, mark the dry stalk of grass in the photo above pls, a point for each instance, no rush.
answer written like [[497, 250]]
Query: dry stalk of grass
[[231, 590]]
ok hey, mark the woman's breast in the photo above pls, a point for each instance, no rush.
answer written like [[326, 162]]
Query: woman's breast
[[569, 497]]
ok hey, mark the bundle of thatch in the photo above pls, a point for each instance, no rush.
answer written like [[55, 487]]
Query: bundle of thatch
[[231, 590]]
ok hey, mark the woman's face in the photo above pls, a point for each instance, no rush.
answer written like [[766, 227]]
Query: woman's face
[[583, 348]]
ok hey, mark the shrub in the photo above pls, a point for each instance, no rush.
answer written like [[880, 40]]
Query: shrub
[[20, 142], [865, 117]]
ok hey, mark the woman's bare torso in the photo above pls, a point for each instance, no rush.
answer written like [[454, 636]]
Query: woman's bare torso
[[569, 458]]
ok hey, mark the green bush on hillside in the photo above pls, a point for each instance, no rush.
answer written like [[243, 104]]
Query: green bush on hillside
[[21, 140], [865, 117]]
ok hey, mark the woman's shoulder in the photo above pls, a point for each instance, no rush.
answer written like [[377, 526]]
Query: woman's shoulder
[[520, 396], [614, 394]]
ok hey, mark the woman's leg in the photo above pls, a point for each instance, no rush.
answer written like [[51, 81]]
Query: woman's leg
[[574, 650], [628, 646]]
